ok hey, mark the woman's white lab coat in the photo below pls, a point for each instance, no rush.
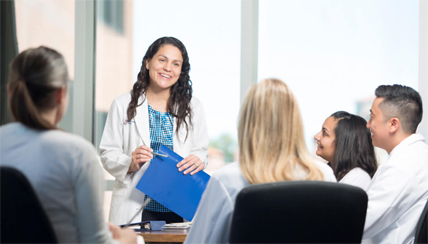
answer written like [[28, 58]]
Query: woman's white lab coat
[[122, 137]]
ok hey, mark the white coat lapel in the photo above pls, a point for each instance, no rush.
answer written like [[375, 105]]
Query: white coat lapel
[[180, 138], [142, 121], [136, 197]]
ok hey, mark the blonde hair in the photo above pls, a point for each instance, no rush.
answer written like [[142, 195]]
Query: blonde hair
[[270, 135]]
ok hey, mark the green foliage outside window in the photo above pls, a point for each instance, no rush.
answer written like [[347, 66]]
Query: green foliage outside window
[[227, 144]]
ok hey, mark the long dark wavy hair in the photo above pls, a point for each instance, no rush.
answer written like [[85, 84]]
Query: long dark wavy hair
[[353, 145], [181, 92]]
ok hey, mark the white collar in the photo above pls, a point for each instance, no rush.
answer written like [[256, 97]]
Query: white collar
[[406, 142]]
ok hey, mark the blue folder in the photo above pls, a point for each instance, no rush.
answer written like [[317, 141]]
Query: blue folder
[[163, 182]]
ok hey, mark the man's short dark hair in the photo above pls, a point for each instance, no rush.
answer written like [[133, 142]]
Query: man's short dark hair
[[402, 102]]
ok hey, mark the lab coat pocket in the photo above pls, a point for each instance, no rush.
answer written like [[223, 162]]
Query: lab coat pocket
[[115, 207]]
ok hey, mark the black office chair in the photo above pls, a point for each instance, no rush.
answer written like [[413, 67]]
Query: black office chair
[[299, 212], [23, 219], [422, 227]]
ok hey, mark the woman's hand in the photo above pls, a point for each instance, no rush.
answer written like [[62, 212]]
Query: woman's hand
[[191, 164], [124, 236], [140, 156]]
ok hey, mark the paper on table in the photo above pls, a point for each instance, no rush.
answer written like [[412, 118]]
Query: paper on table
[[164, 183]]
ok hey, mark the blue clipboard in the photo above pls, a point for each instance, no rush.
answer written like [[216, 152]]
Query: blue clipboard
[[163, 182]]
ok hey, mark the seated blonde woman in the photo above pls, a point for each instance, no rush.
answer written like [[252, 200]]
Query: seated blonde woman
[[272, 148]]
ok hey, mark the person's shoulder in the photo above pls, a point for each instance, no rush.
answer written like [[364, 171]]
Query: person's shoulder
[[195, 102], [357, 177], [410, 155], [63, 137], [123, 99], [419, 144], [326, 170], [228, 181], [322, 166], [357, 171], [120, 104], [231, 177], [62, 141], [415, 143], [10, 132], [231, 169], [7, 128]]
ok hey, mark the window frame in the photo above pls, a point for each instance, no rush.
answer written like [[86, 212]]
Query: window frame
[[85, 37]]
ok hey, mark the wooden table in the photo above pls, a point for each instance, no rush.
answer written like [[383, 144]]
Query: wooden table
[[163, 236]]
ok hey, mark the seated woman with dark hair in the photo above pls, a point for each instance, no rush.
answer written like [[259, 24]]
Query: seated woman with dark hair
[[63, 168], [345, 142]]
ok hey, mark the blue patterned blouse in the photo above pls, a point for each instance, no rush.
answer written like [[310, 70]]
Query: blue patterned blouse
[[161, 133]]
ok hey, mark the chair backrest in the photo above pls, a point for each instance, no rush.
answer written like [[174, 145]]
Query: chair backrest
[[422, 227], [23, 219], [299, 212]]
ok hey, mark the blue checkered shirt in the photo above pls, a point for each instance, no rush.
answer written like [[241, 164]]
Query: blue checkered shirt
[[161, 133]]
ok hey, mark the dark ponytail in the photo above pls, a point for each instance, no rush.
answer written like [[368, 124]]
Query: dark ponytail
[[36, 74]]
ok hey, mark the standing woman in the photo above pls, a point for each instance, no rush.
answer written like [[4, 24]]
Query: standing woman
[[63, 168], [159, 110], [271, 148], [345, 142]]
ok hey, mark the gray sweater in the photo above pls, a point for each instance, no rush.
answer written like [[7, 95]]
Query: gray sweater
[[65, 172]]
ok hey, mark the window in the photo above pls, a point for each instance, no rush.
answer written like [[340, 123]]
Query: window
[[111, 12], [213, 45], [333, 54], [113, 61], [51, 24]]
